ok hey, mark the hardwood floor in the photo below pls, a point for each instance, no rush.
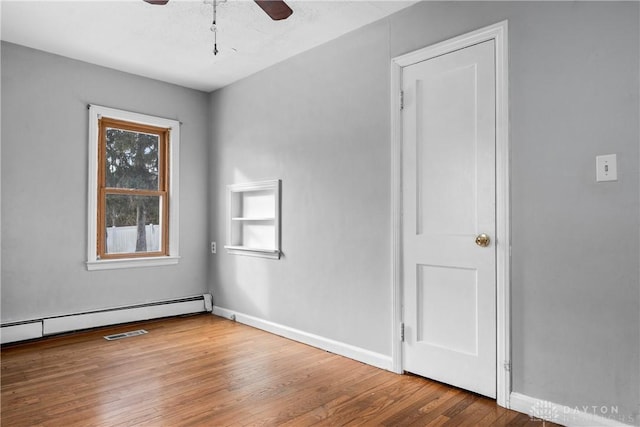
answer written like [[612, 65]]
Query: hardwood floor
[[208, 371]]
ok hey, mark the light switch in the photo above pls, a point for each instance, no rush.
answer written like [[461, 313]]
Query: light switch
[[606, 168]]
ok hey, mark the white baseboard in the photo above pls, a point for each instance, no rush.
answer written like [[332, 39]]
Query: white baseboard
[[352, 352], [38, 328], [21, 332], [568, 416]]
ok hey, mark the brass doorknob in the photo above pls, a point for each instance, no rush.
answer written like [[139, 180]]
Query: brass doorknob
[[483, 240]]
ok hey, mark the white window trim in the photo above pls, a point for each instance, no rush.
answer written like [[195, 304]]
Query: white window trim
[[93, 263]]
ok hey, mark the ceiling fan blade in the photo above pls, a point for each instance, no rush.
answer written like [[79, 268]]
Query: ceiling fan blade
[[158, 2], [276, 9]]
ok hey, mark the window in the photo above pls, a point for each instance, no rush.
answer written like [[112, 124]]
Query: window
[[133, 197], [132, 189]]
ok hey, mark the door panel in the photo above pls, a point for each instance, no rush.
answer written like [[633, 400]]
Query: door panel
[[449, 282], [447, 312], [455, 211]]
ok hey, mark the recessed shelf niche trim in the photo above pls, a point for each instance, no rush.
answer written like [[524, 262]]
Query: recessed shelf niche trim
[[254, 219]]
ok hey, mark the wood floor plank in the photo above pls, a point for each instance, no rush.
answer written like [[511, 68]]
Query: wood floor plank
[[406, 405], [374, 401], [208, 371]]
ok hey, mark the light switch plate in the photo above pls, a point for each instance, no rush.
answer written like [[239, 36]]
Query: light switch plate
[[606, 168]]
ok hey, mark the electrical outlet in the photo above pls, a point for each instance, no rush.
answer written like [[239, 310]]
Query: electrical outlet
[[213, 247]]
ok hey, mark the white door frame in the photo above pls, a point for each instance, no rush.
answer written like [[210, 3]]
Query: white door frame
[[498, 33]]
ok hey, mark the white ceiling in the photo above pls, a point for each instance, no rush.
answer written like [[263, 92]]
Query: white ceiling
[[174, 43]]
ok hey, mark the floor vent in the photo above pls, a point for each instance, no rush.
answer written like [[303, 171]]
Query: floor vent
[[125, 335]]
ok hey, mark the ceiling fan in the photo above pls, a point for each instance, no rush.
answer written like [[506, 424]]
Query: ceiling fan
[[276, 9]]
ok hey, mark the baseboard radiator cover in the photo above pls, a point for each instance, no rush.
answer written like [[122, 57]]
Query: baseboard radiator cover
[[347, 350], [20, 331], [37, 328]]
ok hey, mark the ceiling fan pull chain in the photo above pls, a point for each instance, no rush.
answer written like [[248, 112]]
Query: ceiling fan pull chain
[[214, 28]]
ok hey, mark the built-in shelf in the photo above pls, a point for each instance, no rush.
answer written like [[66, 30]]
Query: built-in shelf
[[258, 252], [254, 219]]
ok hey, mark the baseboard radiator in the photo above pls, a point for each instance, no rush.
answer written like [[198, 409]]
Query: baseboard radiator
[[38, 328]]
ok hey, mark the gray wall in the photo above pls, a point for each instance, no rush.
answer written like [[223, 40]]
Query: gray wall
[[320, 122], [44, 186]]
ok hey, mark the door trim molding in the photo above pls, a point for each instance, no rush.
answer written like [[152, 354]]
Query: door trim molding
[[498, 33]]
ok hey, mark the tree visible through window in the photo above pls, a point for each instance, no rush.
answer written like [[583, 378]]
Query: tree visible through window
[[132, 190]]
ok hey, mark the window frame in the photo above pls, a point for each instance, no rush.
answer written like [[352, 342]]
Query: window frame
[[95, 220]]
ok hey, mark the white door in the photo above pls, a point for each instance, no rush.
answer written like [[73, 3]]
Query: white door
[[448, 196]]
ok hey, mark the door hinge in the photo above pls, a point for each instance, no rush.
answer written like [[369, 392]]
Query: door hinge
[[402, 100], [402, 332], [507, 366]]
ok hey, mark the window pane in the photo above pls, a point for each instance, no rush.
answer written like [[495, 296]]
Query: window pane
[[132, 224], [132, 159]]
